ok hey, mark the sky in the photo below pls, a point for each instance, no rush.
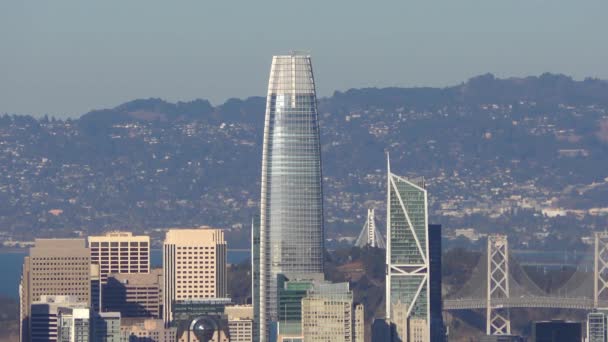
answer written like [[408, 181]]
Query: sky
[[67, 57]]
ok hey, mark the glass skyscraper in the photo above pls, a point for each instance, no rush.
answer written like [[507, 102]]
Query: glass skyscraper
[[407, 258], [291, 215]]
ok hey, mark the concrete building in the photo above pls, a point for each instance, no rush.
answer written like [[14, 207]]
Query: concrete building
[[134, 294], [438, 331], [54, 267], [146, 330], [106, 327], [240, 322], [95, 279], [557, 331], [194, 266], [328, 314], [59, 319], [291, 204], [597, 326], [120, 252]]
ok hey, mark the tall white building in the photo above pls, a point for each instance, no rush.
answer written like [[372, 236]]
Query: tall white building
[[407, 259], [194, 266], [120, 252]]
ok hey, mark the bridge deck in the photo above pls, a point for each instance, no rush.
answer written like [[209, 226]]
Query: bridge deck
[[524, 302]]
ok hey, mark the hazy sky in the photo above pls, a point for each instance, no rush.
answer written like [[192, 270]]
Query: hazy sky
[[65, 57]]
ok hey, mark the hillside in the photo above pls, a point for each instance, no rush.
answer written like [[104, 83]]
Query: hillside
[[497, 154]]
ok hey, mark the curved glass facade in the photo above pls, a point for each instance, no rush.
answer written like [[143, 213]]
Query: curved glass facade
[[291, 216]]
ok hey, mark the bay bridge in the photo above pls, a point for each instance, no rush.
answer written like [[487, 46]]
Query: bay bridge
[[499, 283]]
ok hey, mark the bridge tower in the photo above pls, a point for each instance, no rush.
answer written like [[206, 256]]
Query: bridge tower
[[369, 235], [498, 321], [600, 261]]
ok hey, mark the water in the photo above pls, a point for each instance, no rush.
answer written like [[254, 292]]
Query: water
[[12, 262]]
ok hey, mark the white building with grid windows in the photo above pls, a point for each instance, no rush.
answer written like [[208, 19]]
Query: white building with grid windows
[[194, 266], [120, 252]]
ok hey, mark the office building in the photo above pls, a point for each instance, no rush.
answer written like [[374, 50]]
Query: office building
[[194, 266], [407, 259], [146, 330], [95, 281], [290, 294], [201, 319], [438, 333], [381, 330], [106, 327], [597, 326], [557, 331], [328, 314], [255, 275], [240, 322], [312, 309], [120, 252], [59, 318], [54, 267], [291, 206], [134, 294]]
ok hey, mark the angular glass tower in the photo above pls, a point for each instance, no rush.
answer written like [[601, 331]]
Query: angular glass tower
[[407, 259], [291, 215]]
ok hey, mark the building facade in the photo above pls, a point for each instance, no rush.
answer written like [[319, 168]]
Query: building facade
[[146, 330], [291, 205], [407, 259], [120, 252], [240, 322], [59, 318], [438, 332], [135, 294], [557, 331], [597, 326], [328, 314], [194, 266], [255, 275], [106, 327], [54, 267]]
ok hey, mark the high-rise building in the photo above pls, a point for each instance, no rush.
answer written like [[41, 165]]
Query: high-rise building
[[290, 294], [240, 322], [134, 294], [255, 275], [146, 330], [59, 319], [291, 206], [312, 309], [597, 326], [557, 331], [95, 278], [106, 327], [194, 266], [328, 314], [436, 304], [407, 259], [120, 252], [54, 267]]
